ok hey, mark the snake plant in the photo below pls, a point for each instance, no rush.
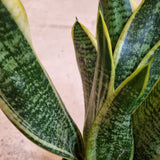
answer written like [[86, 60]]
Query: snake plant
[[120, 71]]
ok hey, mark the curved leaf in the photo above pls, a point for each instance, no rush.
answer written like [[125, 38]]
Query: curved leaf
[[86, 54], [17, 11], [111, 133], [150, 54], [154, 57], [28, 97], [104, 74], [140, 34], [146, 126], [116, 14]]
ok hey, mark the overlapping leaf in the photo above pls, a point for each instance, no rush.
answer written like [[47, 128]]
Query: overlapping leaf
[[139, 35], [153, 57], [146, 126], [116, 14], [111, 133], [105, 63], [104, 74], [86, 53], [27, 96]]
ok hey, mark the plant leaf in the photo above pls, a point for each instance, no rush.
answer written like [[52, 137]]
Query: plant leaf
[[103, 84], [152, 57], [111, 133], [19, 15], [140, 34], [146, 126], [27, 96], [116, 14], [86, 53], [106, 66]]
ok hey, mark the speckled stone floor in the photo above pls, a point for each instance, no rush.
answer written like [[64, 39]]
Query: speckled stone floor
[[50, 24]]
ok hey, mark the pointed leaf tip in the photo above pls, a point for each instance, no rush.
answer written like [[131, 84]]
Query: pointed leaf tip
[[76, 19]]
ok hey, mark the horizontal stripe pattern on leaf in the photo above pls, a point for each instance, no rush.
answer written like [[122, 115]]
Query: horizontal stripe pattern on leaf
[[139, 35], [17, 11], [29, 99], [116, 13], [86, 53], [153, 57]]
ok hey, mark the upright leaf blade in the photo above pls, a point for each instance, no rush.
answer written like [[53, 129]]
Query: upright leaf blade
[[86, 53], [140, 34], [27, 96], [116, 14], [111, 133], [104, 74], [106, 66], [146, 126]]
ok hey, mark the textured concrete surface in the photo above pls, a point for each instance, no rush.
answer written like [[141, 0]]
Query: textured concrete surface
[[50, 24]]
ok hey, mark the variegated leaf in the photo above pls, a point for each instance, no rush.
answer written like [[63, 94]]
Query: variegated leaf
[[86, 53], [111, 133], [140, 34], [27, 95], [104, 74], [146, 126], [116, 13]]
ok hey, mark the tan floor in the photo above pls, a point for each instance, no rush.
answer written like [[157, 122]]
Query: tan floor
[[50, 23]]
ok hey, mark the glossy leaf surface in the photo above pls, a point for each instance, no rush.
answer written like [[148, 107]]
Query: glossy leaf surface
[[146, 126], [27, 96], [111, 133], [116, 13], [140, 34]]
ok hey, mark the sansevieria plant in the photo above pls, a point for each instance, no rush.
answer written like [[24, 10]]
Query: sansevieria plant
[[120, 71]]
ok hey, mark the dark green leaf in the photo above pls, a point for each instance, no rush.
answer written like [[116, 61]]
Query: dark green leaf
[[17, 12], [140, 34], [152, 57], [111, 133], [27, 96], [105, 63], [116, 14], [86, 54], [104, 74], [146, 126]]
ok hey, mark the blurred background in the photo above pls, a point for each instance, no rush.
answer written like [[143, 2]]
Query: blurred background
[[50, 26]]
